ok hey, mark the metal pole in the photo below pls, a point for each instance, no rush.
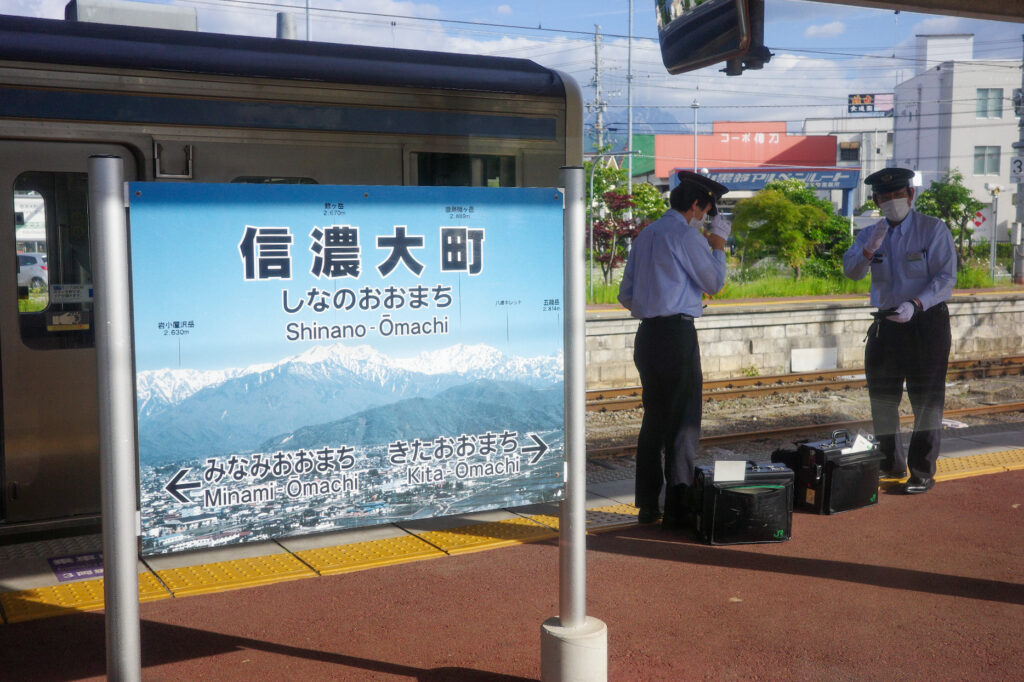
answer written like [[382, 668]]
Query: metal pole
[[572, 545], [590, 223], [285, 26], [573, 646], [1018, 250], [308, 34], [116, 381], [992, 245], [695, 107], [629, 110]]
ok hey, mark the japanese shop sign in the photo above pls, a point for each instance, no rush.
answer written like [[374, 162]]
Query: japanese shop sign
[[870, 103], [313, 357], [754, 179]]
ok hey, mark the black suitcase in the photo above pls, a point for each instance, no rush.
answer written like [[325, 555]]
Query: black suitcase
[[832, 476], [756, 509]]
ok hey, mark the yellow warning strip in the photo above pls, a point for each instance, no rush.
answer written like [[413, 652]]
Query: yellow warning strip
[[549, 520], [611, 517], [487, 535], [370, 554], [86, 595], [229, 575], [951, 468]]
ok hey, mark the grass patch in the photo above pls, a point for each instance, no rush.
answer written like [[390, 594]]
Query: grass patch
[[781, 286]]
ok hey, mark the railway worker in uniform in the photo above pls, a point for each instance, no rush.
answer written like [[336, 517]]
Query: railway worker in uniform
[[913, 269], [670, 265]]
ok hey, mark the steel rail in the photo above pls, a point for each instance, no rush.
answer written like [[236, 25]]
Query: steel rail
[[768, 434], [627, 398]]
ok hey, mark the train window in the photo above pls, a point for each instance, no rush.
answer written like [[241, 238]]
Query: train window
[[55, 268], [267, 180], [464, 170]]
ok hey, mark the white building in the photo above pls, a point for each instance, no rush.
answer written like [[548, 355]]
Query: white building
[[957, 113], [861, 141]]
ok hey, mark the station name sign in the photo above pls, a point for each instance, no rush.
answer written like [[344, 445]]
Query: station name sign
[[313, 358]]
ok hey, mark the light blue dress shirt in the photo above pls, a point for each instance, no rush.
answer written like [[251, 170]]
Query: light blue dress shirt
[[917, 259], [669, 266]]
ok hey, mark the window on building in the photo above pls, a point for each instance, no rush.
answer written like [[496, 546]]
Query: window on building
[[849, 151], [986, 160], [989, 103]]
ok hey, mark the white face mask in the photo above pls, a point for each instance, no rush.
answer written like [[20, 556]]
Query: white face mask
[[697, 223], [895, 210]]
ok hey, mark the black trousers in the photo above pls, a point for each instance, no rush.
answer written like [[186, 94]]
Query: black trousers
[[667, 357], [916, 352]]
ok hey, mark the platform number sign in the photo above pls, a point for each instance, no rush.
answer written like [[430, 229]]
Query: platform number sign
[[1017, 169]]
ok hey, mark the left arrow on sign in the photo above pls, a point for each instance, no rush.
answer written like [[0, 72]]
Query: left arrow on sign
[[175, 488]]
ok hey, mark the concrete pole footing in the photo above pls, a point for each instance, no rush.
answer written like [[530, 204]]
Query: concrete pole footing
[[574, 654]]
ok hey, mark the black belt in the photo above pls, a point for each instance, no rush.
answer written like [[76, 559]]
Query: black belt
[[668, 318]]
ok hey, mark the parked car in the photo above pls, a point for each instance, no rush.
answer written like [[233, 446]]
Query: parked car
[[32, 270]]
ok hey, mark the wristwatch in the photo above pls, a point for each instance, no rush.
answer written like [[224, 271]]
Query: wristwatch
[[917, 305]]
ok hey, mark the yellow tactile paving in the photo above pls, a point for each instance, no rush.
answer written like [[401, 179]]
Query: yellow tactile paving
[[227, 575], [487, 535], [976, 465], [613, 516], [86, 595], [369, 554], [549, 520]]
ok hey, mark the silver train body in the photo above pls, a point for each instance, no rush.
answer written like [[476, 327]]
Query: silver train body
[[190, 107]]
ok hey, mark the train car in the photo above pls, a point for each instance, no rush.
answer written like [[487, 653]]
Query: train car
[[182, 106]]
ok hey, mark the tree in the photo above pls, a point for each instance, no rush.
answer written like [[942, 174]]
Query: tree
[[954, 204], [786, 219], [608, 210]]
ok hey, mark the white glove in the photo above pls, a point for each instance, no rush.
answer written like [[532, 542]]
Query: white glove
[[720, 226], [904, 312], [877, 235]]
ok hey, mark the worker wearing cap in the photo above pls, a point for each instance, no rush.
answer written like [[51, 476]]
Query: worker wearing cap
[[912, 262], [670, 265]]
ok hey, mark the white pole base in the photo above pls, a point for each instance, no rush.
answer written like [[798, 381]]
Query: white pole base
[[574, 654]]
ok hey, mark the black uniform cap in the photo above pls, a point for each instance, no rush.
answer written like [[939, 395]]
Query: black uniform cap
[[714, 189], [889, 180]]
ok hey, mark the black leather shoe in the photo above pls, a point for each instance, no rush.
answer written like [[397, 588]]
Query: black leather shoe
[[892, 473], [648, 515], [916, 486]]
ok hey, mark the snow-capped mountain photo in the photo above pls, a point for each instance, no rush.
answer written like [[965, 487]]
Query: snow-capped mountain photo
[[238, 409]]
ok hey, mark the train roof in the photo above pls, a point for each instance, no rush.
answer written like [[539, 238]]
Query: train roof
[[128, 47]]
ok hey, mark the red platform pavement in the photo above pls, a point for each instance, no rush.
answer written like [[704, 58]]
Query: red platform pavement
[[928, 587]]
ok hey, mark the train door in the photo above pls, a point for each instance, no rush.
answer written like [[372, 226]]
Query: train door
[[49, 446]]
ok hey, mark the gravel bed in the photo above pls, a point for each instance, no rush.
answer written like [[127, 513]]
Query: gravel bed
[[620, 428]]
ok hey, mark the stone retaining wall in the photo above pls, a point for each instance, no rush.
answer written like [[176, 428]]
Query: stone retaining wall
[[761, 337]]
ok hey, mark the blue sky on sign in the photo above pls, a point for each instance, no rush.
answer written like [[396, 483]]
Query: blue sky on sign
[[513, 303], [823, 51]]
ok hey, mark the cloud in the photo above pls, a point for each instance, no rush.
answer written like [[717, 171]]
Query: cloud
[[830, 30], [504, 9]]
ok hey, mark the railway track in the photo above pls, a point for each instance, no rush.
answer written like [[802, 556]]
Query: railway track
[[786, 431], [823, 381]]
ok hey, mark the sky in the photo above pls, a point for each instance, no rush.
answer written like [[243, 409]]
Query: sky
[[823, 51]]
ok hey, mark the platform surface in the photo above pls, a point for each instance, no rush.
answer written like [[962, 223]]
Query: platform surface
[[917, 587]]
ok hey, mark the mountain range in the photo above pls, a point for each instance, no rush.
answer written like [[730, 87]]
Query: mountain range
[[185, 413]]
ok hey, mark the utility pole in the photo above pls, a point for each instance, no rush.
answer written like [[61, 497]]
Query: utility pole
[[1018, 249], [629, 110], [598, 105], [695, 106]]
